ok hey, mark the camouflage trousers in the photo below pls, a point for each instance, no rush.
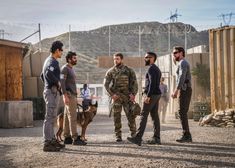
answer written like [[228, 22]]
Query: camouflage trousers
[[117, 109]]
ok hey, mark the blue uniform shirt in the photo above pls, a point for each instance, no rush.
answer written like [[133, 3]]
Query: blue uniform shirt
[[50, 73]]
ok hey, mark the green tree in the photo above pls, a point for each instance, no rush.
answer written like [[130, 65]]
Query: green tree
[[202, 73]]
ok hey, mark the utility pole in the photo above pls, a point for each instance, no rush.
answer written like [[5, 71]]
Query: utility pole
[[186, 31], [140, 72], [69, 37], [39, 36], [3, 33], [109, 40]]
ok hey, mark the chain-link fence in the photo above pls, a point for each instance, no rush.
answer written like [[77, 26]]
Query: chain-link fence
[[133, 40]]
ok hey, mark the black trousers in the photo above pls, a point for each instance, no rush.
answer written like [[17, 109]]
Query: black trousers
[[151, 108], [184, 102]]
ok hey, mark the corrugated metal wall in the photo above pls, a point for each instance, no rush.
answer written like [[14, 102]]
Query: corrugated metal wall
[[222, 68]]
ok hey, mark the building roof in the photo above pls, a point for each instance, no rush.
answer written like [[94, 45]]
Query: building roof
[[11, 43]]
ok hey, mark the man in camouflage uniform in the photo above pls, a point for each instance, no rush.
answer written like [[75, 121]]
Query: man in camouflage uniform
[[121, 85]]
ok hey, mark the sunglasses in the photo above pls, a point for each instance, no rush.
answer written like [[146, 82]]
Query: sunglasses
[[148, 57]]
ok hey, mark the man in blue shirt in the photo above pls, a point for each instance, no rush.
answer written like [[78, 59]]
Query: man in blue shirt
[[51, 78], [86, 96], [184, 89], [152, 94]]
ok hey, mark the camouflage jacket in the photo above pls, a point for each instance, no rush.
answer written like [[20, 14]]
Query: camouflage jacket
[[121, 81]]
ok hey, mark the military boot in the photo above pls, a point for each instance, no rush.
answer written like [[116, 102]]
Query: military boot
[[49, 147], [118, 139]]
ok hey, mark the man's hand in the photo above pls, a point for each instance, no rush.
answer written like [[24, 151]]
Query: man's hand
[[147, 100], [175, 94], [65, 99], [115, 97], [132, 97]]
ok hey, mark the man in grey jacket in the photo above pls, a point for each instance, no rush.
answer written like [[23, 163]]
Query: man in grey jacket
[[184, 90]]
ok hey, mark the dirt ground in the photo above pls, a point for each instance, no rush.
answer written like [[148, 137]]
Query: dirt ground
[[211, 147]]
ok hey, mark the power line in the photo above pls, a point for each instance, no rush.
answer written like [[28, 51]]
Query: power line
[[227, 18], [173, 17]]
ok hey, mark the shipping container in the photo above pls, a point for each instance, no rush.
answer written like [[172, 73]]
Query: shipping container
[[222, 68]]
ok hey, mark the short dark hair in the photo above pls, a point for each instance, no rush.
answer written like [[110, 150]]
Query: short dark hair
[[179, 49], [56, 45], [69, 55], [118, 55], [153, 54]]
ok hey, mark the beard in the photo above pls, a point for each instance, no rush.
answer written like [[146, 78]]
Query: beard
[[177, 59], [147, 62], [118, 64], [74, 62]]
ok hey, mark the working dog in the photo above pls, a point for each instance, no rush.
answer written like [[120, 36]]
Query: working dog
[[83, 120]]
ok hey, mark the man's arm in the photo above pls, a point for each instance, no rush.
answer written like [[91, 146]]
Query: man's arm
[[182, 74], [107, 81], [63, 77], [133, 82]]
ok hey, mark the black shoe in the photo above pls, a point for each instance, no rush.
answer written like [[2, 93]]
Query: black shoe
[[119, 139], [68, 140], [134, 140], [57, 144], [79, 142], [48, 147], [133, 134], [185, 138], [154, 141]]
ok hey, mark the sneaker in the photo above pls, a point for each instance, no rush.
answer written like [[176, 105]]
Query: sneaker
[[154, 141], [68, 140], [48, 147], [134, 140], [119, 139], [57, 144], [79, 142], [185, 138]]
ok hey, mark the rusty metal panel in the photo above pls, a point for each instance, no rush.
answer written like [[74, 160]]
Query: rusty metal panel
[[14, 74], [222, 70], [2, 74], [11, 70], [232, 64]]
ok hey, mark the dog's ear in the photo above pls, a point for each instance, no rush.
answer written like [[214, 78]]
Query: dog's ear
[[95, 104], [90, 103]]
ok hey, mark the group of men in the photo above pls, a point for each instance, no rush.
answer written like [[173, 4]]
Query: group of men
[[121, 85]]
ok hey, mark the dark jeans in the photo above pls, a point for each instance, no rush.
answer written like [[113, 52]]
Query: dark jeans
[[151, 108], [184, 102], [85, 104]]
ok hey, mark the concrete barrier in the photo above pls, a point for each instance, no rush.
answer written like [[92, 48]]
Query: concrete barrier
[[15, 114]]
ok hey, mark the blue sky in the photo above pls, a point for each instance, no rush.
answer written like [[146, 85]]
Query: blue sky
[[89, 14]]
